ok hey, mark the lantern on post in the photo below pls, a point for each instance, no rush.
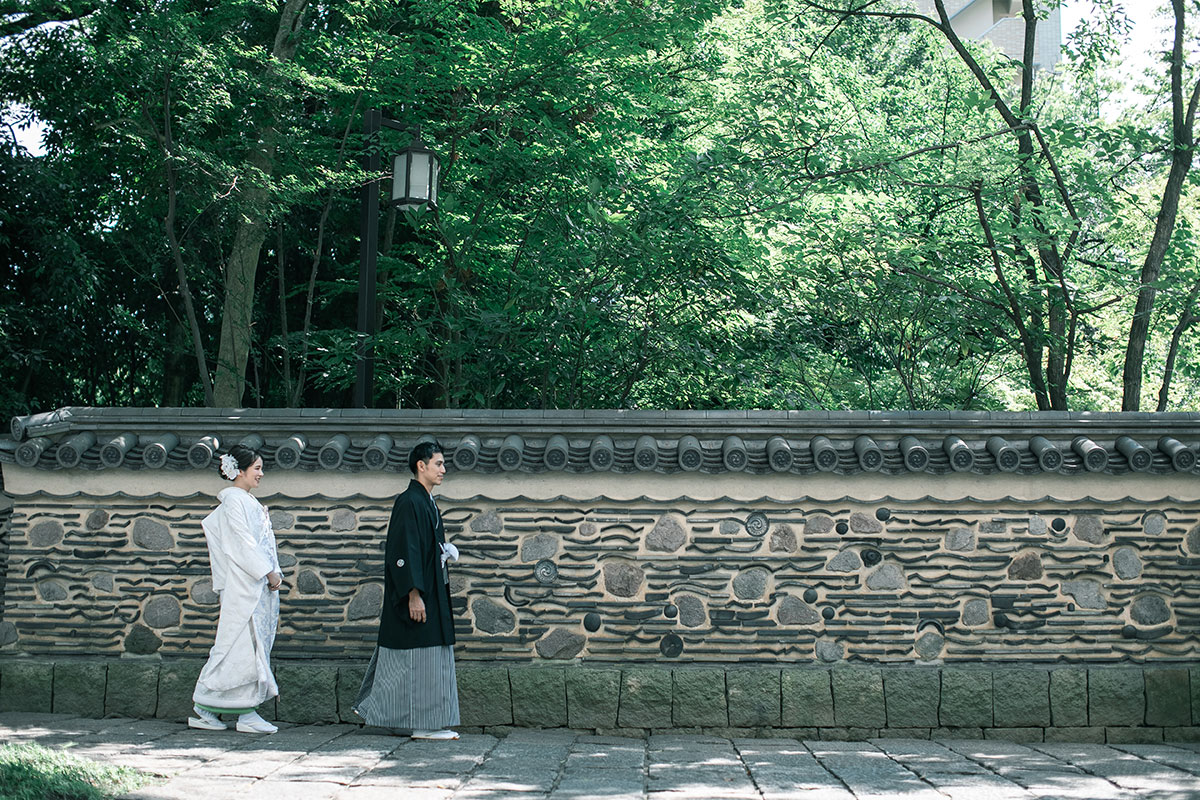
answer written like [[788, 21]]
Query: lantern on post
[[415, 177], [414, 184]]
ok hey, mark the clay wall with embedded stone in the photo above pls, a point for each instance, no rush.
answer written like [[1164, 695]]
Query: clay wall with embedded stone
[[718, 581]]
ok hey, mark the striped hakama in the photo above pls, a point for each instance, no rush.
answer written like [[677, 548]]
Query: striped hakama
[[410, 689]]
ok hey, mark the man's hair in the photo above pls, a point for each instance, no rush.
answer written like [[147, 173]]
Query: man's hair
[[422, 451]]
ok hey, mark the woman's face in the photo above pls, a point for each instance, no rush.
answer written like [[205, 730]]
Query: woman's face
[[252, 474]]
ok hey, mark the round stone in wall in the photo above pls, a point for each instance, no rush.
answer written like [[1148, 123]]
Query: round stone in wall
[[343, 520], [889, 577], [975, 612], [560, 643], [810, 595], [667, 536], [366, 602], [282, 520], [929, 645], [750, 584], [1037, 525], [1154, 523], [46, 533], [862, 523], [671, 646], [692, 611], [309, 582], [587, 529], [142, 641], [827, 613], [842, 528], [783, 539], [883, 514], [1026, 567], [161, 611], [537, 547], [1126, 563], [1089, 528], [829, 651], [793, 611], [52, 591], [487, 523], [871, 556], [96, 520], [1149, 609], [622, 579], [670, 611], [1086, 593], [845, 561], [591, 622], [203, 594], [491, 617], [960, 540], [150, 534]]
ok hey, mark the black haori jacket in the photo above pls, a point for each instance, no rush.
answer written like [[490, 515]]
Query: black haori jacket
[[413, 558]]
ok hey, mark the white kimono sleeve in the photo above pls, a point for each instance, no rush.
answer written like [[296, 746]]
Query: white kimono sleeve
[[241, 540]]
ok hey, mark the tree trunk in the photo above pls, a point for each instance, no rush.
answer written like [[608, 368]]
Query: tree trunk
[[1186, 320], [242, 267], [176, 376], [1181, 162]]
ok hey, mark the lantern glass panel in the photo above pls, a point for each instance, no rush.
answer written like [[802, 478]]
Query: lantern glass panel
[[418, 175]]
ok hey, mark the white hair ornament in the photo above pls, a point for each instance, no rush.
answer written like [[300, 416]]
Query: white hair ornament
[[229, 467]]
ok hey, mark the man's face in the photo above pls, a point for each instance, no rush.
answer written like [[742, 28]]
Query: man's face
[[432, 471]]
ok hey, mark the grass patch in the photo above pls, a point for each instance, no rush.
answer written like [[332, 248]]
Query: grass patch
[[33, 772]]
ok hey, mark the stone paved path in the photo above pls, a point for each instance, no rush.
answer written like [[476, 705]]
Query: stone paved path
[[343, 762]]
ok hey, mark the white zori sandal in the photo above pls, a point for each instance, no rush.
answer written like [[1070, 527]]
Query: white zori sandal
[[205, 720], [439, 735], [253, 723]]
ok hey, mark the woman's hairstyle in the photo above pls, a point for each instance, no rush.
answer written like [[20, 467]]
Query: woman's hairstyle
[[240, 456], [422, 451]]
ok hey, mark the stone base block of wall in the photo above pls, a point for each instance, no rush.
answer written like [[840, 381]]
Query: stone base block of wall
[[1118, 705]]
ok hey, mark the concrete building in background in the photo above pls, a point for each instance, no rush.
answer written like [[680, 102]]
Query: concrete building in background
[[1000, 22]]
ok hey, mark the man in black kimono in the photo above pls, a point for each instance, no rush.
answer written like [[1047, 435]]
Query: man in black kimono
[[410, 683]]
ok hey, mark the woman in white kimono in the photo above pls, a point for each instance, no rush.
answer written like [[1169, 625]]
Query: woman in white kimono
[[245, 573]]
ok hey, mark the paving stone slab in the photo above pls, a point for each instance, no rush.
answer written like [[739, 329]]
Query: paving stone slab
[[192, 788], [297, 790], [395, 775], [609, 760], [321, 770], [386, 792], [816, 793], [531, 783]]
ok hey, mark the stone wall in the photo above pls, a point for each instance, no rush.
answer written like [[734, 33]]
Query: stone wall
[[1064, 703], [691, 569]]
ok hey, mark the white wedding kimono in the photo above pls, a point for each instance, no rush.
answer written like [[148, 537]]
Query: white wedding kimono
[[241, 549]]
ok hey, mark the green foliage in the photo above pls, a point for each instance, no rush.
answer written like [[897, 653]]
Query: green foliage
[[33, 772], [687, 204]]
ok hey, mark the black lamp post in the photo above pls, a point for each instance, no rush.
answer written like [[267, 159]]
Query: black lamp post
[[414, 184]]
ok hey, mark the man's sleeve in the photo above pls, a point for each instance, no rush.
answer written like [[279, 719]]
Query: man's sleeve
[[403, 551]]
